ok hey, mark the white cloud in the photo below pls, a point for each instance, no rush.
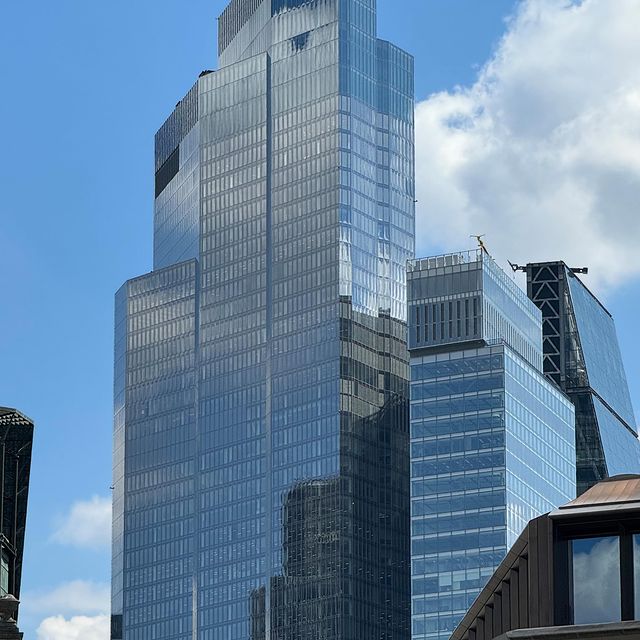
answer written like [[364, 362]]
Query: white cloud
[[542, 153], [77, 609], [78, 628], [77, 597], [88, 524]]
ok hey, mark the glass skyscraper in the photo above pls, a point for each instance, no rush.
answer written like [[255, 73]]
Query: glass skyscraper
[[261, 464], [582, 356], [492, 439]]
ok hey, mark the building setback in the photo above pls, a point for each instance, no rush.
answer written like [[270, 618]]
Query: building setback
[[492, 439], [261, 465], [582, 356]]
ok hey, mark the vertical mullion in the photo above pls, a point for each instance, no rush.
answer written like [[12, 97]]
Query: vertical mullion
[[627, 586]]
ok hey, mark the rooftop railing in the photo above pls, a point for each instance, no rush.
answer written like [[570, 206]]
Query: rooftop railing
[[445, 260]]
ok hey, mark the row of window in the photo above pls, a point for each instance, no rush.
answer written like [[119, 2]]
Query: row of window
[[449, 543]]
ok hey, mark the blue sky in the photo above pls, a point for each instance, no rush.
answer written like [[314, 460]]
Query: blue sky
[[85, 86]]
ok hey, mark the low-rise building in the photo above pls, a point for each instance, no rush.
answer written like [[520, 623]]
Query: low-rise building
[[573, 573]]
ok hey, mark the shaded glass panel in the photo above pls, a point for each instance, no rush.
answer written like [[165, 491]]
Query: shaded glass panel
[[636, 574], [596, 580], [509, 315], [621, 447], [605, 369], [540, 445]]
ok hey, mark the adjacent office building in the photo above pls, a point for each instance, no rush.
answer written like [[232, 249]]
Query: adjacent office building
[[261, 467], [582, 356], [578, 565], [16, 439], [492, 439]]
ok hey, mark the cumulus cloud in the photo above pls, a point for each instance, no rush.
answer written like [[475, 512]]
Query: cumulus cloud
[[542, 153], [78, 628], [69, 598], [77, 609], [88, 524]]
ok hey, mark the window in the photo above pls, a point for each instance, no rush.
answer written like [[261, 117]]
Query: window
[[596, 580], [4, 575]]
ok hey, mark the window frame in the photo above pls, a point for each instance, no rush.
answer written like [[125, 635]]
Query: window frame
[[610, 525]]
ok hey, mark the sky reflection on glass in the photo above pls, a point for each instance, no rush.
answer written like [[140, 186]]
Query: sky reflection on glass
[[596, 580]]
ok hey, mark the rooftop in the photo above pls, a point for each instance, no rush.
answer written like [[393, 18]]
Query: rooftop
[[570, 274], [613, 494], [445, 260], [13, 417]]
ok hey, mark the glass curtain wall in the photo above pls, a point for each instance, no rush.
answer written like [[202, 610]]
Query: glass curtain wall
[[582, 356], [491, 448], [297, 158], [492, 440]]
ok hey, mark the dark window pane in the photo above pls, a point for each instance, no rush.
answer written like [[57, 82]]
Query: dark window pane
[[636, 574]]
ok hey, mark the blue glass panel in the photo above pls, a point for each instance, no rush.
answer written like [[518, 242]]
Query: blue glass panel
[[478, 478], [509, 315], [621, 447], [540, 445], [601, 350], [445, 368], [458, 386]]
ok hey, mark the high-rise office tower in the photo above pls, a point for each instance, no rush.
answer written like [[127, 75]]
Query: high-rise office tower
[[261, 377], [16, 436], [582, 356], [492, 439]]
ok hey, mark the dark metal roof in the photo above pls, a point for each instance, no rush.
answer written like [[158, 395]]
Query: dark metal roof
[[13, 417], [570, 274]]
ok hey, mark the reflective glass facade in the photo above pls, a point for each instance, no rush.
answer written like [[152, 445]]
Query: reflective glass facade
[[492, 440], [261, 431], [582, 356]]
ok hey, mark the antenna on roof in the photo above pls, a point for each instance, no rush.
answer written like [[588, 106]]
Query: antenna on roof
[[481, 245]]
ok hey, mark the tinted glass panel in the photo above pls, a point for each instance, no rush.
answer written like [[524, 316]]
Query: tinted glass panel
[[493, 446], [621, 447], [596, 580], [601, 350], [167, 171]]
